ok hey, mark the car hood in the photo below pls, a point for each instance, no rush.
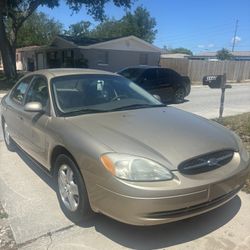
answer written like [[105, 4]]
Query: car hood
[[162, 134]]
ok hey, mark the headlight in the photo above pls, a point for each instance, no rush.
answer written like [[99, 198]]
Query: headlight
[[134, 168], [242, 150]]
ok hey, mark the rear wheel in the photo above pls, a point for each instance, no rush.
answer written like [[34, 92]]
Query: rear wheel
[[71, 190], [10, 144], [179, 95]]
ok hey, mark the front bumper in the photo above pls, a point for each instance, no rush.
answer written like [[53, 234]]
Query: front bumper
[[154, 203]]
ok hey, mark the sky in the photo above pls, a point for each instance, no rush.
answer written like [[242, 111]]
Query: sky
[[198, 25]]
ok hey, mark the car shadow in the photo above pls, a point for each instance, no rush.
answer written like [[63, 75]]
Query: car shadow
[[36, 168], [166, 235], [150, 237]]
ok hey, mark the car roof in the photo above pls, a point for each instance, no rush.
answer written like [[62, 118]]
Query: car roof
[[69, 71], [143, 67]]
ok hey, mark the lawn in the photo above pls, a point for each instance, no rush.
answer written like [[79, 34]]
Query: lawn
[[240, 124], [6, 84]]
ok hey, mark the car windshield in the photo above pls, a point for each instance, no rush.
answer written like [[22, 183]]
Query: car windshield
[[132, 73], [79, 94]]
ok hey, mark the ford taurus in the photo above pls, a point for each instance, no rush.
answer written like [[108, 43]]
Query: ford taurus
[[113, 148]]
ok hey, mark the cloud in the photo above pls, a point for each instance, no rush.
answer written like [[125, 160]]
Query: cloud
[[210, 45], [237, 39], [206, 46]]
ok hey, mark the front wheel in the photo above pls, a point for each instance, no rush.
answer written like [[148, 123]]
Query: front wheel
[[10, 144], [71, 190], [179, 95]]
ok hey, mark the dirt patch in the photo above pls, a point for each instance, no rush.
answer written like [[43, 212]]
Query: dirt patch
[[7, 84], [7, 241]]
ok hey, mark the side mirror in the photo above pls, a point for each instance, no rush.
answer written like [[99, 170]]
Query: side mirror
[[157, 97], [33, 107]]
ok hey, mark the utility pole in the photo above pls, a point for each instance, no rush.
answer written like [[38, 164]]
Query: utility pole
[[235, 32]]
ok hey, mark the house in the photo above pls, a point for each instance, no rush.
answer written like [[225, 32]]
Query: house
[[105, 54], [211, 56]]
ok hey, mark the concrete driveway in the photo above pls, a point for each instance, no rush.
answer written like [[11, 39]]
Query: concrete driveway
[[27, 195]]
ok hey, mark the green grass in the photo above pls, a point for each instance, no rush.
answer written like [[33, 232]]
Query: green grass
[[3, 215], [7, 84], [240, 124]]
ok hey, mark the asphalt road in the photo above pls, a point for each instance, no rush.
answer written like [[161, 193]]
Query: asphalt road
[[206, 102], [27, 194]]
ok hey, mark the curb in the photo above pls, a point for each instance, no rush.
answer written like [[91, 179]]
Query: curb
[[233, 84]]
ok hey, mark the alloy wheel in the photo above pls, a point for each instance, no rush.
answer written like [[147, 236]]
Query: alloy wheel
[[180, 95], [68, 188]]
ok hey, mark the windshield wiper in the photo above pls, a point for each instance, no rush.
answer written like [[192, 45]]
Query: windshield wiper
[[83, 111], [138, 106]]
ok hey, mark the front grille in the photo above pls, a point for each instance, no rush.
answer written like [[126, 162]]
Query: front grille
[[206, 162]]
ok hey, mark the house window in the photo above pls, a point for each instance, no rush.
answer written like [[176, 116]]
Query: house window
[[17, 57], [102, 58], [52, 60], [143, 59], [68, 58], [52, 55], [67, 54]]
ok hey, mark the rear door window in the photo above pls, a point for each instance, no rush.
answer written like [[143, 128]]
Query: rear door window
[[150, 79], [168, 76], [150, 75], [133, 74]]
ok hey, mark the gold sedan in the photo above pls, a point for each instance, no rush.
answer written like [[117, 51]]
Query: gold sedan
[[115, 149]]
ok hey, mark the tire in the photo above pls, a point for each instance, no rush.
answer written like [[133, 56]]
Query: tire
[[71, 190], [179, 95], [10, 144]]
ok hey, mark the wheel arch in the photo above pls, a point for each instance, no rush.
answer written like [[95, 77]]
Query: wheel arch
[[58, 150]]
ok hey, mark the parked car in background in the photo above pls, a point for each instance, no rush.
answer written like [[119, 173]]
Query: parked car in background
[[164, 82], [115, 149]]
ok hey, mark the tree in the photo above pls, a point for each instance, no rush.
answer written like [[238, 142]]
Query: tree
[[139, 24], [13, 13], [79, 30], [180, 50], [224, 54], [38, 29], [110, 28]]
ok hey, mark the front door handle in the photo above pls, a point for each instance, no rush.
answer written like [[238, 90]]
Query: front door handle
[[20, 117]]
